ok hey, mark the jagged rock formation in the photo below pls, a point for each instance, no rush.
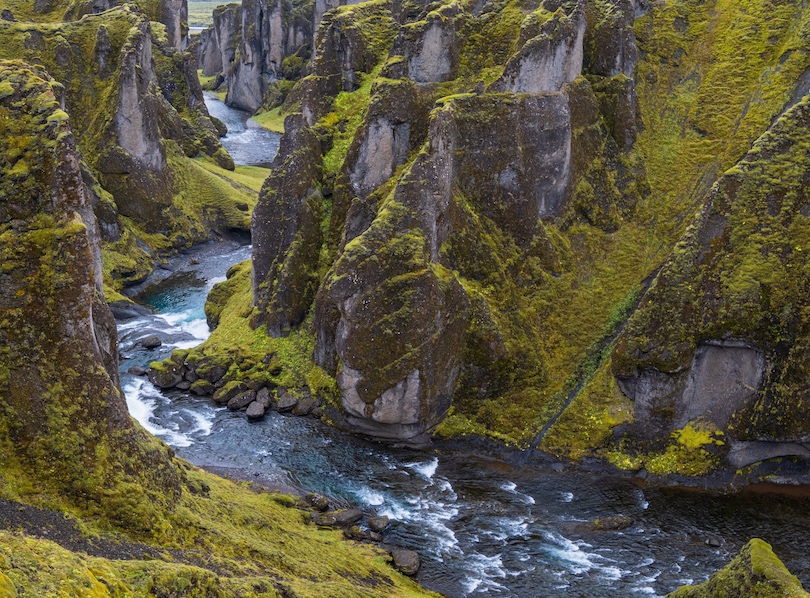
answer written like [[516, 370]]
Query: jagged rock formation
[[138, 106], [257, 45], [218, 43], [720, 337], [63, 420], [66, 438], [400, 317], [756, 571], [493, 187], [271, 31]]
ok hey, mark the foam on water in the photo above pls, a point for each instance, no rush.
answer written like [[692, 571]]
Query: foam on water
[[427, 470], [511, 488], [142, 400], [578, 561], [369, 497]]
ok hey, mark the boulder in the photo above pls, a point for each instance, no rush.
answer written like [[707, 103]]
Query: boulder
[[226, 393], [255, 411], [378, 523], [406, 561], [346, 517], [286, 402], [165, 374], [304, 406], [202, 387], [240, 401], [264, 398], [136, 371], [151, 342], [318, 502]]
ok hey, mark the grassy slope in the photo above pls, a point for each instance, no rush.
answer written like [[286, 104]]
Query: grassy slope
[[703, 103], [221, 539]]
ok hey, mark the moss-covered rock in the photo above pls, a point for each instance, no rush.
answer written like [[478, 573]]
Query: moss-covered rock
[[66, 437], [756, 572], [138, 110], [64, 424], [720, 334]]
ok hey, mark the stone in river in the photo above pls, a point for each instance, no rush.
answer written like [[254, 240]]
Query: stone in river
[[241, 401], [255, 411], [151, 342], [378, 524], [286, 402]]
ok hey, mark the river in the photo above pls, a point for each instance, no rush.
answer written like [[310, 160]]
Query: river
[[483, 527]]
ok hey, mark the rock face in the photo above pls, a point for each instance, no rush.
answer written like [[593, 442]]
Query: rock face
[[550, 59], [260, 44], [755, 571], [286, 231], [399, 319], [218, 43], [139, 113], [59, 395], [733, 352], [272, 30]]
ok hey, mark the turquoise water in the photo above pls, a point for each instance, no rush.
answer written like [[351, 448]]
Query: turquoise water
[[484, 527]]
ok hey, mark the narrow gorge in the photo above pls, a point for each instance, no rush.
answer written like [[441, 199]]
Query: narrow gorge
[[507, 278]]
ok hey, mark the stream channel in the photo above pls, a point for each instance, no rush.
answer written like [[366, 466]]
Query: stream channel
[[482, 526]]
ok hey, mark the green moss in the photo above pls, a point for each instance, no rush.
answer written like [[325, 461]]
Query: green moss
[[224, 540], [687, 454], [243, 350], [273, 120], [756, 572]]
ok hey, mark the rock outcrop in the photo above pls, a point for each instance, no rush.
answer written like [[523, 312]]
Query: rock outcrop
[[755, 571], [397, 315], [138, 108], [218, 43], [272, 30], [64, 423], [720, 337]]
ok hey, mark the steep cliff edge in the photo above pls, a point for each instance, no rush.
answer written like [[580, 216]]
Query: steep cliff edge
[[719, 340], [472, 199], [140, 119], [65, 424], [159, 525]]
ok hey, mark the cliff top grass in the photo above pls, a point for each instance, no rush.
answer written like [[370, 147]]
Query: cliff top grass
[[221, 539]]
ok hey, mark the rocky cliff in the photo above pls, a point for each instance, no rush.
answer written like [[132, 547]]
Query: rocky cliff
[[64, 423], [150, 524], [474, 200], [140, 117], [440, 181]]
